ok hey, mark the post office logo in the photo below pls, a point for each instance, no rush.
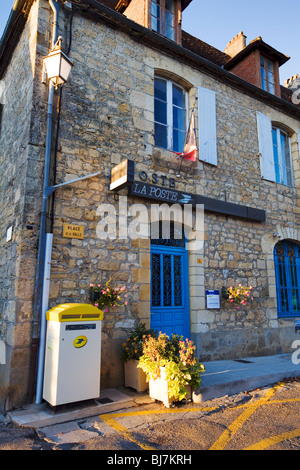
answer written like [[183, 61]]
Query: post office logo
[[80, 341]]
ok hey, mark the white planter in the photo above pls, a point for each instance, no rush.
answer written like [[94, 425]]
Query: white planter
[[134, 377], [158, 389]]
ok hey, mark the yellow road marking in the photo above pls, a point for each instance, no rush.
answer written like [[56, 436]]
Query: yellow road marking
[[121, 429], [157, 412], [270, 441], [227, 435], [110, 419]]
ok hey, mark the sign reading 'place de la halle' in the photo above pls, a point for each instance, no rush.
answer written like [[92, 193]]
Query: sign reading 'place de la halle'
[[73, 231]]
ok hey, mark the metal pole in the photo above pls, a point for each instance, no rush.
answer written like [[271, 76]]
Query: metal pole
[[42, 239], [44, 308]]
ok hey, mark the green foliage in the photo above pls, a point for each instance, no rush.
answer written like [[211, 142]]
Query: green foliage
[[133, 347], [177, 357], [106, 296]]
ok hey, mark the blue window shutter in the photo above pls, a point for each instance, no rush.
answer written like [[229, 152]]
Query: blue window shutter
[[264, 128], [207, 126]]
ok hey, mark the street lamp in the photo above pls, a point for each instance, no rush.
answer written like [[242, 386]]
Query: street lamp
[[57, 65]]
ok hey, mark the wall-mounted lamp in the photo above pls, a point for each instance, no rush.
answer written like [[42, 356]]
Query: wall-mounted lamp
[[57, 65]]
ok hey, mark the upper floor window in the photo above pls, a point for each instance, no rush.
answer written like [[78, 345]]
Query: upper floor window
[[163, 17], [282, 157], [276, 159], [267, 75], [169, 115]]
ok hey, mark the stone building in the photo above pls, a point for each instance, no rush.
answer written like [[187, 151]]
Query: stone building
[[137, 76]]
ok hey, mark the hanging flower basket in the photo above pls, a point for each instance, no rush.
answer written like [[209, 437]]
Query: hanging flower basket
[[238, 295], [105, 295]]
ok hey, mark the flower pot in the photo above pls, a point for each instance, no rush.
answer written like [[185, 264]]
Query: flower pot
[[158, 389], [134, 377]]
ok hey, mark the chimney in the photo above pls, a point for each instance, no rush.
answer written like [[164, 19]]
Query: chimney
[[236, 45], [291, 82]]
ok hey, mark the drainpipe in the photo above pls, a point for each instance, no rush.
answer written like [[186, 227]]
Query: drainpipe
[[40, 305]]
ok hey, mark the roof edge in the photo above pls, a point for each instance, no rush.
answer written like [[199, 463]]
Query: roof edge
[[12, 31]]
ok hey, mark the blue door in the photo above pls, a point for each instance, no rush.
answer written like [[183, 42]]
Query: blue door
[[170, 311]]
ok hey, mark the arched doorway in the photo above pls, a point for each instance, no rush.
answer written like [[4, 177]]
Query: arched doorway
[[287, 270], [170, 311]]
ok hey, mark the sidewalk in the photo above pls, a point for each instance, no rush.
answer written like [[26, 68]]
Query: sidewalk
[[233, 376], [220, 378]]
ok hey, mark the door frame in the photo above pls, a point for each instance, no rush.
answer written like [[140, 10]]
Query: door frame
[[176, 251]]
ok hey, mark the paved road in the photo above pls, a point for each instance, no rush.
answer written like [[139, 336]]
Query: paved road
[[263, 419]]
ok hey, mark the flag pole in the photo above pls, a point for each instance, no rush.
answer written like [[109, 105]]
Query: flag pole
[[182, 154], [178, 176]]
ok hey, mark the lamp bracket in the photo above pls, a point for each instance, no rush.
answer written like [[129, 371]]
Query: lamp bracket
[[51, 189]]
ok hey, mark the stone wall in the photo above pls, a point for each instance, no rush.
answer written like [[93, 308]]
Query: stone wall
[[110, 115], [107, 115], [20, 170]]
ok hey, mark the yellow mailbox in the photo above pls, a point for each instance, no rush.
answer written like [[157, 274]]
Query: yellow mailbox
[[73, 353]]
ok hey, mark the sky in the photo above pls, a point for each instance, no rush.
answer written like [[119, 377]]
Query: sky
[[217, 22]]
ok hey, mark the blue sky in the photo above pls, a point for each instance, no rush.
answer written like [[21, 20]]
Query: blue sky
[[217, 22]]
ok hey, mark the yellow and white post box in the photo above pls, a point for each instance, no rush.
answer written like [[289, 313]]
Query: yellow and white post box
[[73, 354]]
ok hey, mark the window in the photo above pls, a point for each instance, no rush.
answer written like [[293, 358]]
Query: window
[[287, 269], [163, 17], [282, 157], [169, 115], [275, 152], [267, 75]]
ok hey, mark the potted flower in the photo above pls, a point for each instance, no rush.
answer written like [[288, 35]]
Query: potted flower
[[132, 349], [106, 296], [171, 366], [239, 295]]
